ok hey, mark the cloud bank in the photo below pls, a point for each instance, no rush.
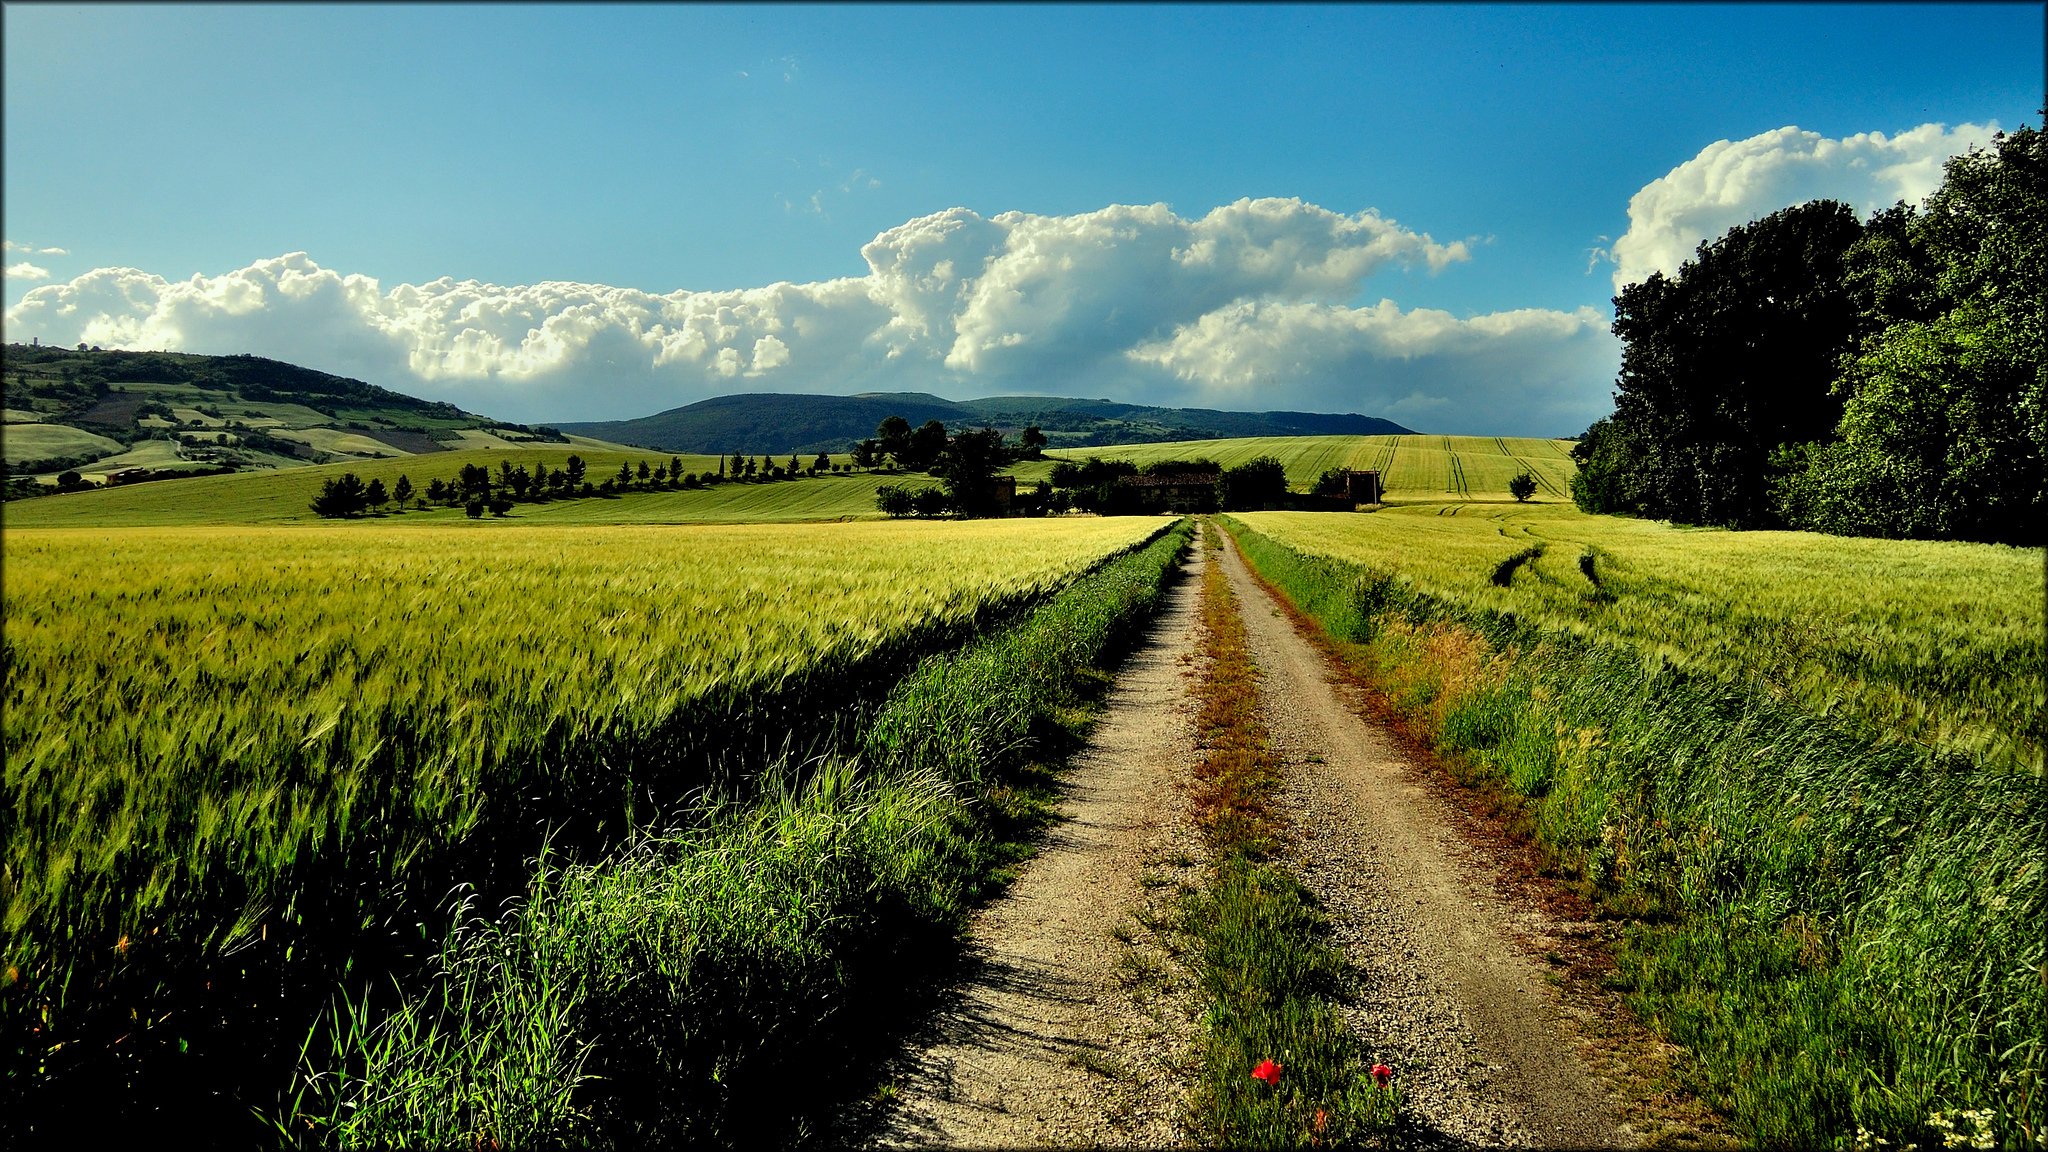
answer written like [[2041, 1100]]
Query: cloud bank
[[1734, 182], [1244, 307]]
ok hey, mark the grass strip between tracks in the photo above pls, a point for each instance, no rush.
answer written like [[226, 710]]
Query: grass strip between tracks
[[735, 981], [1268, 971]]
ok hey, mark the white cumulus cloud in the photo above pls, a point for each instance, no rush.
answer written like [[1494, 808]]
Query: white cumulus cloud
[[1409, 366], [1734, 182], [1245, 306], [23, 270]]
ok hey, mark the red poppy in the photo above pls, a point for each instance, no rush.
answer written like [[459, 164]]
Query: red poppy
[[1382, 1075], [1267, 1071]]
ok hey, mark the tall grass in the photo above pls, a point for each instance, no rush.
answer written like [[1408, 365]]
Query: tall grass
[[242, 765], [731, 980], [1841, 926]]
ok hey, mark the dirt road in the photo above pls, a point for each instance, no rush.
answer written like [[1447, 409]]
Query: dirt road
[[1443, 994], [1074, 1032], [1054, 1043]]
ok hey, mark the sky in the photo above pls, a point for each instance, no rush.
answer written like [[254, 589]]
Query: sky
[[550, 213]]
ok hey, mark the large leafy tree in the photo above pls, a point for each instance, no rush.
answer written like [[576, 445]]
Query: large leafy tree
[[968, 468], [1722, 365], [1944, 432]]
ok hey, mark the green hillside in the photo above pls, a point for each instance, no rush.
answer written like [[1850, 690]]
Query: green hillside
[[99, 413], [782, 422], [1415, 469]]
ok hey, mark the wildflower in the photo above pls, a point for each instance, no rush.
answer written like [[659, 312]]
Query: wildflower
[[1322, 1120], [1267, 1071], [1382, 1075]]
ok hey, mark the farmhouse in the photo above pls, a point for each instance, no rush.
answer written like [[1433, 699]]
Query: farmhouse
[[1171, 492]]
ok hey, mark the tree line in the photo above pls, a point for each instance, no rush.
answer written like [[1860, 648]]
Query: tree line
[[1880, 377], [967, 464], [477, 489]]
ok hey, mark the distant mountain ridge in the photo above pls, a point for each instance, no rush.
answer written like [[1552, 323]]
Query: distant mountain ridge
[[778, 422]]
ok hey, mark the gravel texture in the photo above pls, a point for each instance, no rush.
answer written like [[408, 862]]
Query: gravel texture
[[1076, 1026]]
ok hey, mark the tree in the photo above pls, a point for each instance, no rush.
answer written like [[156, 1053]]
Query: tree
[[402, 491], [342, 496], [866, 453], [930, 502], [475, 508], [792, 466], [675, 471], [892, 438], [500, 504], [1260, 482], [968, 470], [1031, 443], [1722, 365], [375, 496], [574, 471], [823, 463], [625, 475], [1944, 429], [643, 473], [925, 446], [894, 501], [1522, 487], [1337, 482]]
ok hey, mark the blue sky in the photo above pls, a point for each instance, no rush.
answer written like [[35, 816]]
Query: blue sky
[[677, 161]]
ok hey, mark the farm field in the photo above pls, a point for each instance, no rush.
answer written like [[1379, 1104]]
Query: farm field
[[282, 496], [280, 730], [1937, 642], [1804, 770], [29, 441], [1413, 468]]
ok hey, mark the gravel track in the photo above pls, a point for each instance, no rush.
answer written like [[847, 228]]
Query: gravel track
[[1484, 1053], [1074, 1028]]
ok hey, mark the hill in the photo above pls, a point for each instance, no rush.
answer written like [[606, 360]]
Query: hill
[[783, 422], [141, 415]]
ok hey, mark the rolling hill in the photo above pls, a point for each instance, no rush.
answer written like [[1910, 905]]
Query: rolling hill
[[140, 415], [783, 422]]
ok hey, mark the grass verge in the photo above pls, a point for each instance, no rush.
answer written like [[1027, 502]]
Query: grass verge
[[1843, 933], [1268, 972], [735, 979]]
